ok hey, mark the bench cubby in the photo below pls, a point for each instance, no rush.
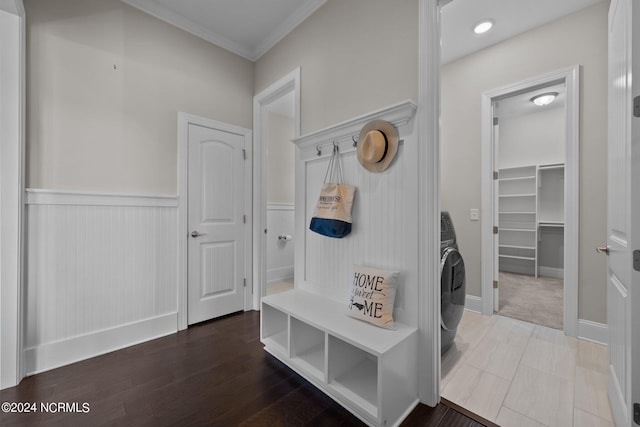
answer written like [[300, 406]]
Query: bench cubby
[[369, 370]]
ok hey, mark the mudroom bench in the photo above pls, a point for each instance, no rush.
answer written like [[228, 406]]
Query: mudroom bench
[[369, 370]]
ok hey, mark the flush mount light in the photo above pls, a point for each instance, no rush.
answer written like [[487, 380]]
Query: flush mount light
[[544, 98], [483, 26]]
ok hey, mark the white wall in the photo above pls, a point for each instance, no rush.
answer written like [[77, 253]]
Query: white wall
[[105, 84], [580, 38], [532, 139]]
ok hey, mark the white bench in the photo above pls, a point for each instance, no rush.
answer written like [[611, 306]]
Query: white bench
[[369, 370]]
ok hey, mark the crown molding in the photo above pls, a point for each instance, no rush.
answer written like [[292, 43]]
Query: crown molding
[[175, 19], [14, 7], [281, 31]]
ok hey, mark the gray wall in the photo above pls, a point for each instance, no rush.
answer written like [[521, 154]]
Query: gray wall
[[105, 83], [355, 56], [580, 38]]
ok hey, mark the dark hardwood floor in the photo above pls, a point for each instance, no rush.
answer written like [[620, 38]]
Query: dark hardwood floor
[[213, 374]]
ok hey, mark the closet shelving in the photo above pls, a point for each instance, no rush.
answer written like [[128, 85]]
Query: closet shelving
[[517, 209], [551, 219], [530, 200]]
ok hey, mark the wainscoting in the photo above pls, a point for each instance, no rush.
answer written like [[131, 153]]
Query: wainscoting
[[280, 221], [100, 274], [385, 213]]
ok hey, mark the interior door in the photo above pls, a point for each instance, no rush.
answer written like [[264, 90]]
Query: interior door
[[623, 207], [216, 219]]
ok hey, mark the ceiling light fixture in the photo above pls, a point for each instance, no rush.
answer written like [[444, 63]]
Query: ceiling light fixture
[[483, 26], [544, 98]]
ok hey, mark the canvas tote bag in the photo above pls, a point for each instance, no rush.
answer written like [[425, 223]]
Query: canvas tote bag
[[332, 216]]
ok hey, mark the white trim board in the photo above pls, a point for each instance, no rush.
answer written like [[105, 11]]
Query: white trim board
[[285, 85], [473, 303], [12, 113], [55, 197], [279, 274], [428, 127], [398, 114], [551, 272], [53, 355], [571, 77], [281, 207], [184, 120], [593, 331]]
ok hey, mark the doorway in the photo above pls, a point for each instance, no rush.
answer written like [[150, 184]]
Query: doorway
[[214, 259], [519, 247], [274, 110], [529, 140], [216, 222], [280, 128]]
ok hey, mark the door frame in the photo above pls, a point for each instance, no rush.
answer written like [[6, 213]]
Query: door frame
[[428, 131], [12, 131], [285, 85], [184, 120], [571, 77]]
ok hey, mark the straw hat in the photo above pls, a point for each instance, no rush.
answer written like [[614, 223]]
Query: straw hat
[[377, 145]]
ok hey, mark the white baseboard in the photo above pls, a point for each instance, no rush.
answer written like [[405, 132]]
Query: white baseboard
[[593, 331], [551, 272], [278, 274], [473, 303], [60, 353]]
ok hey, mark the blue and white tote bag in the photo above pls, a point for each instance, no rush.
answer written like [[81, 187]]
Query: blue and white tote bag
[[332, 215]]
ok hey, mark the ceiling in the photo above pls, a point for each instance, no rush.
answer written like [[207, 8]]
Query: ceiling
[[250, 28], [520, 104], [12, 6], [511, 17]]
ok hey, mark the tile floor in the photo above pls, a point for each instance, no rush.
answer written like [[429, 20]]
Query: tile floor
[[520, 374], [277, 287]]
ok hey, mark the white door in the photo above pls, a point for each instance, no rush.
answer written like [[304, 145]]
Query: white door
[[216, 252], [623, 215]]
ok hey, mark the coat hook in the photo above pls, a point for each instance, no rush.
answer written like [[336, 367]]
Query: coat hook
[[319, 151], [355, 141]]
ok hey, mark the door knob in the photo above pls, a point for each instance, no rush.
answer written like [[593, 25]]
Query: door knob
[[602, 250], [195, 233]]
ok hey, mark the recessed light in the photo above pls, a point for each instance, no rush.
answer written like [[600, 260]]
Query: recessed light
[[483, 26], [544, 98]]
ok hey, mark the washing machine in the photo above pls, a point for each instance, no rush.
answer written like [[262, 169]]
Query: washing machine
[[452, 282]]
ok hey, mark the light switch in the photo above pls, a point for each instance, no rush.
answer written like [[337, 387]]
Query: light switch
[[474, 215]]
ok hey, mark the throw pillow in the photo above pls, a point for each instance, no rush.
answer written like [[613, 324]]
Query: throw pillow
[[372, 294]]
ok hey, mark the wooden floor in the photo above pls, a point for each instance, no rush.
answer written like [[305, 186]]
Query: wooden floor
[[213, 374]]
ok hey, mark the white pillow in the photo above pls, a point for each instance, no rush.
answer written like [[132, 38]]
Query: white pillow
[[372, 294]]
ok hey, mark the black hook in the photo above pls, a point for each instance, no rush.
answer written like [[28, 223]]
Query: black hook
[[355, 141], [319, 151]]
